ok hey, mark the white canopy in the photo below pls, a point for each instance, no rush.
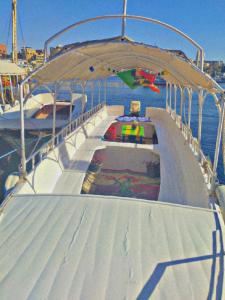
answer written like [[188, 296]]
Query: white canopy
[[99, 59], [9, 68]]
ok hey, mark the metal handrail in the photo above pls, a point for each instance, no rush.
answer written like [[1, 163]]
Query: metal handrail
[[194, 145], [61, 135]]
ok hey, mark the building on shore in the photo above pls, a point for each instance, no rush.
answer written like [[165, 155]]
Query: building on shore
[[55, 50], [213, 63], [32, 56], [28, 53], [39, 57]]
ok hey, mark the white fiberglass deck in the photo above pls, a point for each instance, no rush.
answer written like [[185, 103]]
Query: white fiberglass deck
[[90, 247], [181, 178]]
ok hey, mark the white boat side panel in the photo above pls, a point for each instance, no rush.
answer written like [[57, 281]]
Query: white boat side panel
[[83, 247], [72, 177]]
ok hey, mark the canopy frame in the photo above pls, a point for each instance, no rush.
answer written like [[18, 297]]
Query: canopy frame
[[124, 17]]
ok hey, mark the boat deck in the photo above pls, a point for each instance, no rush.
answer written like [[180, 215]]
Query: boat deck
[[181, 178], [73, 174]]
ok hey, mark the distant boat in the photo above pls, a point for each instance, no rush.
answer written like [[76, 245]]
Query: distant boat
[[10, 76], [39, 112]]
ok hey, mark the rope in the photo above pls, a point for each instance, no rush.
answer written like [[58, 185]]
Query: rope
[[21, 30], [8, 153], [9, 29]]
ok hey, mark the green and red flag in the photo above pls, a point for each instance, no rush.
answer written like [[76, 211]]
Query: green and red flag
[[138, 77], [129, 77]]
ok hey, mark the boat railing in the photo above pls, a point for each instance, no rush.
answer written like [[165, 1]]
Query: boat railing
[[59, 138], [196, 149], [173, 114], [206, 168], [175, 117]]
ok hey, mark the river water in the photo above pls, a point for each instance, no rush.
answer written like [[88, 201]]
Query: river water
[[117, 94]]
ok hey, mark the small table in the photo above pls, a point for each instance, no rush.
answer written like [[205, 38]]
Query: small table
[[127, 130]]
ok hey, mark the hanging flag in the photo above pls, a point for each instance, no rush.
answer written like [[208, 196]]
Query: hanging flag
[[129, 78], [138, 77], [150, 77], [154, 88]]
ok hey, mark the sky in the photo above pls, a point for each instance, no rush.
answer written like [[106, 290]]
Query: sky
[[202, 20]]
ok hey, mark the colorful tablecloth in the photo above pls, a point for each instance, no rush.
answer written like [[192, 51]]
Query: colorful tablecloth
[[128, 130]]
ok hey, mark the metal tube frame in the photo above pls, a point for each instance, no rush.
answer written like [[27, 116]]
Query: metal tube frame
[[175, 98], [124, 17], [170, 97], [22, 170], [11, 88], [71, 102], [2, 91], [54, 115], [83, 85], [99, 91], [218, 142], [201, 99], [92, 94], [105, 91], [181, 103], [167, 92], [189, 106]]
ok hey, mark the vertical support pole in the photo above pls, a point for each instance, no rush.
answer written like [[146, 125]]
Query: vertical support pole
[[200, 108], [11, 88], [14, 32], [71, 104], [189, 106], [167, 90], [202, 60], [99, 92], [198, 58], [17, 87], [17, 81], [175, 98], [181, 104], [83, 85], [105, 92], [22, 136], [170, 97], [2, 91], [54, 116], [92, 95], [218, 142], [124, 19]]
